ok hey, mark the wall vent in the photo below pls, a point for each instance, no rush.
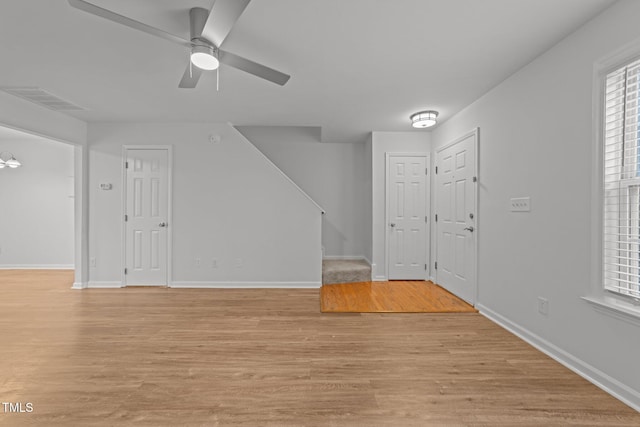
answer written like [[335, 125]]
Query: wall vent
[[41, 97]]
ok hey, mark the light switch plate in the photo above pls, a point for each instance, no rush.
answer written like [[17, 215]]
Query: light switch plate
[[520, 204]]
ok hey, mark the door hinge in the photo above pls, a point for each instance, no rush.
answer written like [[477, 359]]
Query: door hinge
[[426, 218], [475, 179], [436, 265], [126, 218], [426, 171], [425, 266], [436, 170], [436, 217], [125, 271], [126, 165]]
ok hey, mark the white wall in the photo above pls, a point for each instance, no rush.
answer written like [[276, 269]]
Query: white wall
[[535, 140], [229, 202], [333, 174], [36, 216], [388, 142]]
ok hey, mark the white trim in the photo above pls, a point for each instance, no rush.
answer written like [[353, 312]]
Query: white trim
[[284, 175], [616, 307], [79, 285], [476, 133], [81, 214], [169, 149], [245, 285], [104, 284], [377, 277], [427, 208], [37, 267], [604, 302], [612, 386]]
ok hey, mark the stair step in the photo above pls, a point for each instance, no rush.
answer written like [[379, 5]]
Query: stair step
[[345, 271]]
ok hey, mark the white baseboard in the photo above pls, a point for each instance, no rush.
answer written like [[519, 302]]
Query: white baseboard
[[612, 386], [79, 285], [104, 285], [37, 267], [246, 285], [377, 277]]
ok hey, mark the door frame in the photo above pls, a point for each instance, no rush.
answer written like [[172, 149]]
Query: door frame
[[388, 155], [476, 133], [125, 149]]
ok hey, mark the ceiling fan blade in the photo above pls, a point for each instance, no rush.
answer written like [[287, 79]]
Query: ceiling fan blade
[[254, 68], [223, 15], [190, 77], [123, 20]]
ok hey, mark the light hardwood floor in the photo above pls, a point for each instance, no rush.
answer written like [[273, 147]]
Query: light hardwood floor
[[181, 357], [400, 296]]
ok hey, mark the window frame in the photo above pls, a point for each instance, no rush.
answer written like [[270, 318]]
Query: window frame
[[607, 302]]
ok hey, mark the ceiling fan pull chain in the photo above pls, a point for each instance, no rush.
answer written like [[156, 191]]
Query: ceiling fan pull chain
[[190, 69]]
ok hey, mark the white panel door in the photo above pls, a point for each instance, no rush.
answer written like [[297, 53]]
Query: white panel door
[[455, 194], [406, 217], [146, 240]]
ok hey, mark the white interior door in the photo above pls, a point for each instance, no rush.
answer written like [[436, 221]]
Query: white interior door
[[146, 214], [455, 193], [406, 217]]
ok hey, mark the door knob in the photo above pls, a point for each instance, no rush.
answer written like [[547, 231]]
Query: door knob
[[470, 229], [393, 224], [162, 224]]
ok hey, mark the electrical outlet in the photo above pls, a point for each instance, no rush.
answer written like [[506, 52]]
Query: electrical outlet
[[198, 262], [92, 261], [543, 306], [214, 263], [520, 204]]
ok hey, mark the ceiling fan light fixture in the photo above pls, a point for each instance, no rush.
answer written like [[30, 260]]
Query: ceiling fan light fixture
[[424, 119], [205, 57]]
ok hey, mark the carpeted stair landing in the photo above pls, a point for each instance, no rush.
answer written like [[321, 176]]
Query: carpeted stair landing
[[345, 271]]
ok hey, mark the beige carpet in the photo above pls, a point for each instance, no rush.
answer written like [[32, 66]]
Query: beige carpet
[[345, 271]]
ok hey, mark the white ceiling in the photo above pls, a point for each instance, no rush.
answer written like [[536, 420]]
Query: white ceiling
[[356, 65]]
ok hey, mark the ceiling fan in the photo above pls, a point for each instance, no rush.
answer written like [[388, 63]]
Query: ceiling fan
[[208, 29]]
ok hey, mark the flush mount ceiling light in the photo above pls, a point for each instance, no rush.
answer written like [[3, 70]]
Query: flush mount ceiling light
[[205, 57], [424, 119], [7, 159]]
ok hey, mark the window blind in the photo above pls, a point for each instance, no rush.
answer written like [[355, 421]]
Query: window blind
[[621, 226]]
